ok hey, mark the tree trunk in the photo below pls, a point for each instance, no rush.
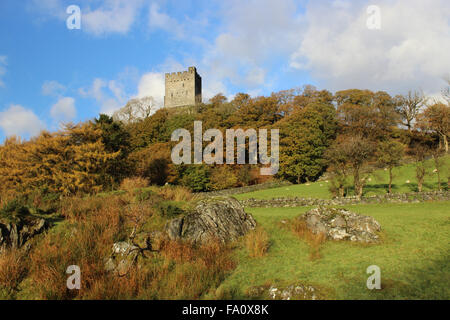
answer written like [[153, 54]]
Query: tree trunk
[[341, 191], [390, 179], [419, 184], [360, 190], [445, 143], [436, 164], [420, 174], [357, 183], [439, 180]]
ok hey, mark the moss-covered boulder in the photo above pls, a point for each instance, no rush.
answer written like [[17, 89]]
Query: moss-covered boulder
[[341, 224], [216, 218]]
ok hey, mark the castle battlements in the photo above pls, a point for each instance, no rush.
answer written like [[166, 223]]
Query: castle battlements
[[191, 71]]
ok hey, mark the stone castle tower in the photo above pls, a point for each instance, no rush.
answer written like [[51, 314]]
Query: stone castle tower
[[183, 88]]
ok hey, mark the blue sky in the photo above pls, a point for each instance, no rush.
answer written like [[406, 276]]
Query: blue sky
[[50, 74]]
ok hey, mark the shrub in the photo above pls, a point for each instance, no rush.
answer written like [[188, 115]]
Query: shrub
[[223, 177], [13, 269], [257, 242], [146, 195], [175, 193], [168, 209], [14, 210], [77, 208], [131, 184], [196, 178], [314, 240]]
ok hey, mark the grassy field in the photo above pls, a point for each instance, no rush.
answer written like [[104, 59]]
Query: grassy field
[[413, 257], [377, 184]]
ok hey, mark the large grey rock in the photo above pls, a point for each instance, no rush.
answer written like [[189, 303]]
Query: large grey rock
[[15, 234], [124, 255], [220, 218], [341, 224], [297, 291]]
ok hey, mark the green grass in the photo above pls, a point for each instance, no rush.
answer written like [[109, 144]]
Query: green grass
[[312, 190], [413, 257], [378, 184]]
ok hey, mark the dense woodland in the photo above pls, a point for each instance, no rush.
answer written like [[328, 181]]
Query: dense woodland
[[345, 135]]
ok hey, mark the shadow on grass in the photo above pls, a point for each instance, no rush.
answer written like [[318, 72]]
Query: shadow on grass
[[428, 282]]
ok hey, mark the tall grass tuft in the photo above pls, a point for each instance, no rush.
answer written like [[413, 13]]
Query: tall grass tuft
[[131, 184], [314, 241], [257, 242], [175, 193], [13, 268]]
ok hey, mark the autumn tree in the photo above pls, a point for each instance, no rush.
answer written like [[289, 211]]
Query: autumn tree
[[338, 169], [154, 163], [136, 110], [389, 154], [439, 163], [353, 152], [67, 162], [151, 130], [218, 99], [305, 135], [115, 139], [365, 113], [223, 177], [419, 148], [408, 107], [436, 118], [256, 113]]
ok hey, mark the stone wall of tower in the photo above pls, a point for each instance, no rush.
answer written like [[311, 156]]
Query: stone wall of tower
[[183, 88]]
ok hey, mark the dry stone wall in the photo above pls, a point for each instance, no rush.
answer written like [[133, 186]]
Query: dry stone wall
[[387, 198]]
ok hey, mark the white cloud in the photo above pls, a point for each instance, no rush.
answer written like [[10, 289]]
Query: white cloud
[[17, 120], [152, 84], [117, 89], [108, 94], [64, 109], [113, 16], [160, 20], [254, 34], [3, 64], [410, 51], [53, 88], [329, 40]]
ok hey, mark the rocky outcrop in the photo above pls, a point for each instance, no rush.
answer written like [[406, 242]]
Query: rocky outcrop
[[123, 256], [15, 234], [220, 218], [341, 224], [296, 291], [126, 253]]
